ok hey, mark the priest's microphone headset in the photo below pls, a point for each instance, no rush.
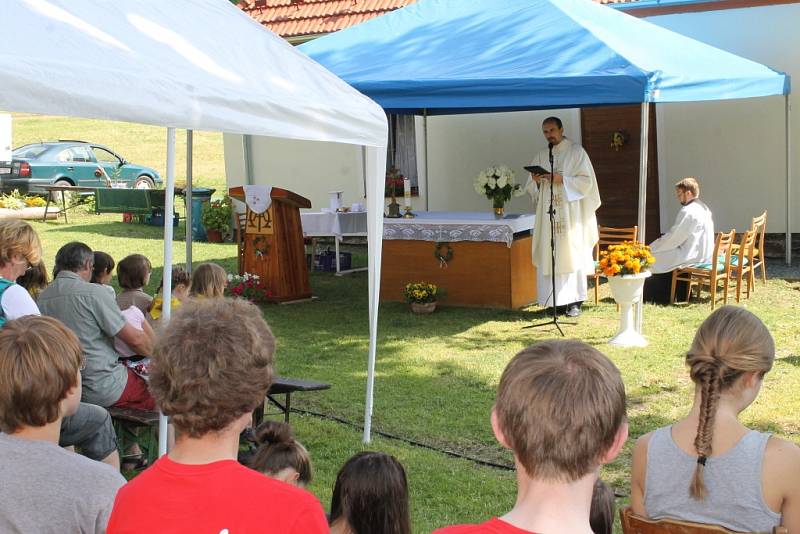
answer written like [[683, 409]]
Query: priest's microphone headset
[[552, 213]]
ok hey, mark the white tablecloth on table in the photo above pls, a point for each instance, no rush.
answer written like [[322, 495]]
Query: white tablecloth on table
[[458, 226], [316, 224]]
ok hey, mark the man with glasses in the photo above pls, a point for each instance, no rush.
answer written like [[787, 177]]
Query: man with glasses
[[89, 428]]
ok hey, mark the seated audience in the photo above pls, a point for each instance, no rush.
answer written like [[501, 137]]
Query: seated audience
[[208, 281], [90, 428], [370, 496], [101, 272], [46, 488], [279, 456], [133, 274], [601, 514], [708, 467], [560, 408], [34, 280], [92, 314], [211, 368], [180, 292], [690, 241]]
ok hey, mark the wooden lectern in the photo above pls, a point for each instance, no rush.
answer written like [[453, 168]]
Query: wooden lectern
[[273, 245]]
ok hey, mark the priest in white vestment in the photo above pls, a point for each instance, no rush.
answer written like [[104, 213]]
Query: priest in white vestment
[[690, 241], [575, 200]]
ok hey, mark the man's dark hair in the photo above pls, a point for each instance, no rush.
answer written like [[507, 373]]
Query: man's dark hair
[[73, 257], [554, 120]]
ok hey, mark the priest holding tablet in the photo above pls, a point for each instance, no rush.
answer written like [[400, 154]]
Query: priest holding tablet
[[576, 198]]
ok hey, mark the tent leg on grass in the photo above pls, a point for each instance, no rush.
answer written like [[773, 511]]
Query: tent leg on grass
[[169, 201], [788, 117], [187, 202], [643, 156], [376, 166]]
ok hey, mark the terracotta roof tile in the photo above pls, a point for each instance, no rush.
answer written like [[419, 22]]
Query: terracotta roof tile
[[295, 18]]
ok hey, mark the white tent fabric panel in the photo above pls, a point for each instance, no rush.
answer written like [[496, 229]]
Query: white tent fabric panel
[[193, 64], [190, 64]]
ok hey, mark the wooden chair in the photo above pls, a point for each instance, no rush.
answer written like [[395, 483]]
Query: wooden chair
[[711, 274], [742, 263], [609, 236], [240, 218], [759, 227], [634, 524]]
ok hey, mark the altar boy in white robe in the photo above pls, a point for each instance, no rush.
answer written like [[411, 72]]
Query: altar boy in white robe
[[575, 199], [690, 241]]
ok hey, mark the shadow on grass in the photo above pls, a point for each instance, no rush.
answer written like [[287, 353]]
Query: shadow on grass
[[791, 360], [121, 229]]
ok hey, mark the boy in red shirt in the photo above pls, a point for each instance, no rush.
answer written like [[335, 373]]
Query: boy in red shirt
[[561, 409], [211, 367]]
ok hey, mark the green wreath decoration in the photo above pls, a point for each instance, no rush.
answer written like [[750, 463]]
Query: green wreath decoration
[[261, 246], [443, 252]]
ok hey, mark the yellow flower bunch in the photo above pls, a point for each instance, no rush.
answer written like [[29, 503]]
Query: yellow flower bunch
[[420, 292], [630, 257]]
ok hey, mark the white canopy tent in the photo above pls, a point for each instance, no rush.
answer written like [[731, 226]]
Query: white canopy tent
[[193, 64]]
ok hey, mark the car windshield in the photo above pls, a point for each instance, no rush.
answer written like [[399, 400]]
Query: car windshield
[[29, 151]]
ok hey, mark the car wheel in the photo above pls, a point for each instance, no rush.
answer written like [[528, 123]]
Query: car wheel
[[144, 182], [55, 196]]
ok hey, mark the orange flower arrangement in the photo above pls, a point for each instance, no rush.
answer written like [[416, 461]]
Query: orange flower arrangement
[[629, 257]]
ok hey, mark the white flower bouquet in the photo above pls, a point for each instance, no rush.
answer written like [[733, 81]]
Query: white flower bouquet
[[497, 183]]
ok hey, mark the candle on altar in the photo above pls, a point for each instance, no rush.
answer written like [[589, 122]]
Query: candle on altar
[[407, 191]]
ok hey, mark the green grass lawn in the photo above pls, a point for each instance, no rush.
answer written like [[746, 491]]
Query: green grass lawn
[[436, 375]]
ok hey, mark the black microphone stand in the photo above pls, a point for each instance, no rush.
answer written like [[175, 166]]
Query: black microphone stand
[[552, 213]]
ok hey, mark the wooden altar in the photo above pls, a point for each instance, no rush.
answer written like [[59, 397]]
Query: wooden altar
[[480, 272], [273, 245]]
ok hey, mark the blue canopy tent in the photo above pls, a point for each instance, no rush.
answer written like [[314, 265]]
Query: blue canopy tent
[[452, 57]]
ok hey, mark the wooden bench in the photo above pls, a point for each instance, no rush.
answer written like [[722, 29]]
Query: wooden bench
[[140, 427], [285, 386], [136, 426]]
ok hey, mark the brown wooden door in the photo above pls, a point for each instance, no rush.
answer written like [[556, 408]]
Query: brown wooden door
[[618, 170]]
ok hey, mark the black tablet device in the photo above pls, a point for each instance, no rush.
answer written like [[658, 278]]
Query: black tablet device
[[536, 169]]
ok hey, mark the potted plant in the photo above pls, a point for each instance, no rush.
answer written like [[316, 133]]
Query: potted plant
[[216, 218], [422, 296], [626, 266], [497, 183]]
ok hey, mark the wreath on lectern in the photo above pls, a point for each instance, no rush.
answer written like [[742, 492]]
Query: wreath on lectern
[[443, 252], [261, 246]]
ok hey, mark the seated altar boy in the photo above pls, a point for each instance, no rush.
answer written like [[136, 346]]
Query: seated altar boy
[[211, 367], [689, 241], [560, 408], [46, 488]]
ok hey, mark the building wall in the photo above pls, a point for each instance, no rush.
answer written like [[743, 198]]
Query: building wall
[[735, 148]]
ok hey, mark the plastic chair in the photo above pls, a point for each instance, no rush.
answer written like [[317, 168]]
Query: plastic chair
[[710, 274], [634, 524], [609, 236]]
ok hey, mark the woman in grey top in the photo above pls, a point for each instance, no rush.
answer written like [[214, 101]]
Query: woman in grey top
[[708, 467]]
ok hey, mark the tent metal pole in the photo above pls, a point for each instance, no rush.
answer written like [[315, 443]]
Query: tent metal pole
[[788, 113], [425, 128], [643, 155], [247, 151], [169, 207], [188, 199]]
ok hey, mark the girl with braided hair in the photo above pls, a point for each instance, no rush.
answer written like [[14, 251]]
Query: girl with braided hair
[[708, 467]]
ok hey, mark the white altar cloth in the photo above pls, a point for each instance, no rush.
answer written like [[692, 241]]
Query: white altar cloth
[[458, 226], [318, 224]]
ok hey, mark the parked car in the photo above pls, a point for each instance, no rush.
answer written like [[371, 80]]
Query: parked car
[[71, 163]]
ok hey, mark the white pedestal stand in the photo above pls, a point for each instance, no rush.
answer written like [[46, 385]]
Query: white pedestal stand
[[627, 290]]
